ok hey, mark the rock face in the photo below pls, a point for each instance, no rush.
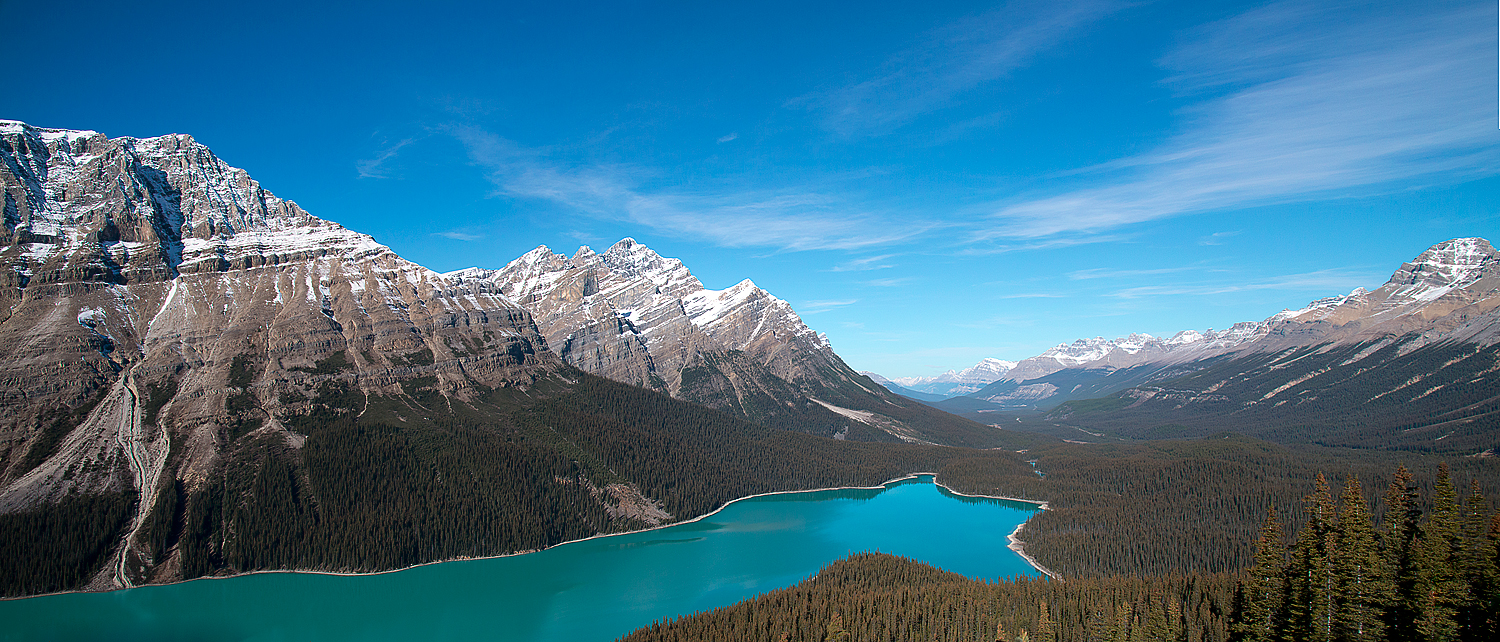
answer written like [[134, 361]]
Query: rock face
[[634, 316], [155, 299]]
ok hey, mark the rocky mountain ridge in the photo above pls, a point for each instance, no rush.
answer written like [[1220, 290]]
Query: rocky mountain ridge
[[1448, 293], [634, 316], [159, 306]]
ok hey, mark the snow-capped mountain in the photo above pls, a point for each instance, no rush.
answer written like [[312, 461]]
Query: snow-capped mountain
[[1448, 295], [1411, 364], [985, 371], [634, 316], [167, 303], [958, 382], [1453, 277]]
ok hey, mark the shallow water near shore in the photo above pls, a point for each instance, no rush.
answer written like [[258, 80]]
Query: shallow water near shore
[[592, 590]]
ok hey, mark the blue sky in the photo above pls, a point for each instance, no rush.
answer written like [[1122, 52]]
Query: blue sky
[[929, 186]]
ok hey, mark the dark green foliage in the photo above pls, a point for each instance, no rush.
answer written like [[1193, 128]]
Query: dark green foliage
[[1399, 545], [332, 364], [244, 411], [1180, 506], [202, 537], [394, 481], [59, 546], [1360, 591], [421, 357], [881, 597], [161, 528], [1307, 593], [158, 396], [241, 371], [1259, 606], [1105, 404], [1430, 593]]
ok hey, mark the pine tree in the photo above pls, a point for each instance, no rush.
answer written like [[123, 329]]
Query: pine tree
[[1362, 586], [1478, 616], [1310, 580], [836, 632], [1399, 542], [1439, 578], [1044, 632], [1262, 594]]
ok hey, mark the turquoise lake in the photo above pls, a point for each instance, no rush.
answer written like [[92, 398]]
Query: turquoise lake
[[592, 590]]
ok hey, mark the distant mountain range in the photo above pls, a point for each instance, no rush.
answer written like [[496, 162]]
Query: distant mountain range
[[1436, 320], [952, 382]]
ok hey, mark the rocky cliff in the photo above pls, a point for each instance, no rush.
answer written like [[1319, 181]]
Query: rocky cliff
[[156, 300], [634, 316]]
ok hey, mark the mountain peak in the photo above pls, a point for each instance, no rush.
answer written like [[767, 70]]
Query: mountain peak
[[1450, 265], [191, 211]]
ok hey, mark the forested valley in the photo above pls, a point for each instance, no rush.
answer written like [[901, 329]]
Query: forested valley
[[393, 481], [1409, 569], [367, 484]]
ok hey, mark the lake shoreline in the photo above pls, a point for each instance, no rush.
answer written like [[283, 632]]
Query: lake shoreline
[[1015, 544], [1014, 538]]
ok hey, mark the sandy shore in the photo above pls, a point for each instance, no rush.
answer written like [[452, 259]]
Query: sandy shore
[[1014, 545]]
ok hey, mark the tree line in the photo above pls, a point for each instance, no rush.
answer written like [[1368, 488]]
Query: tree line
[[1427, 572]]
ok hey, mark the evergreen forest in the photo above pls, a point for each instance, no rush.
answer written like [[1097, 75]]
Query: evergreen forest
[[1425, 571]]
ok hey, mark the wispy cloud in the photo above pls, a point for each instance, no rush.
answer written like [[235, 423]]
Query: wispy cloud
[[728, 137], [1332, 281], [1303, 103], [459, 235], [865, 263], [1110, 273], [1032, 295], [889, 283], [375, 167], [985, 242], [818, 307], [950, 61], [785, 220], [1217, 238]]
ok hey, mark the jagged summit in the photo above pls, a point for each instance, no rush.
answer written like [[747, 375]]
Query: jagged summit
[[79, 205], [1445, 267], [956, 382], [636, 316], [165, 302]]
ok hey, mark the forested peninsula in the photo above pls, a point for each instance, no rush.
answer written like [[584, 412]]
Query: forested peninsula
[[1414, 566]]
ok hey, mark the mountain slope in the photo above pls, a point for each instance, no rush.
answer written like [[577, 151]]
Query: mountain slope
[[200, 378], [634, 316]]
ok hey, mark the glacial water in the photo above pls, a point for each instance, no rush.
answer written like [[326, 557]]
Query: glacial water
[[592, 590]]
